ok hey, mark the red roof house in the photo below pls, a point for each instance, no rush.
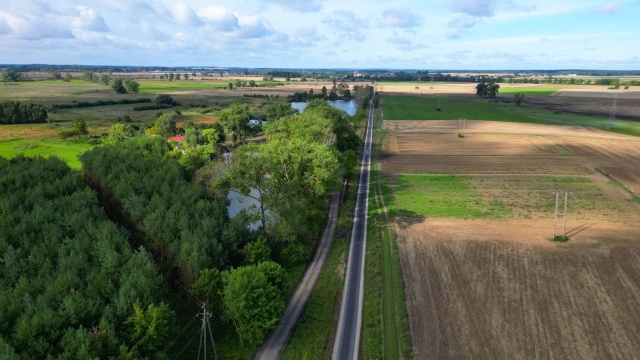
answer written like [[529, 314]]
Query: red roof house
[[177, 138]]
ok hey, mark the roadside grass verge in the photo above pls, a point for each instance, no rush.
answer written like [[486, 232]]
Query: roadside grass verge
[[385, 328], [66, 151], [314, 336]]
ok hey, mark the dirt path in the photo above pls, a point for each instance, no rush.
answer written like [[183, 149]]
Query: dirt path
[[277, 340]]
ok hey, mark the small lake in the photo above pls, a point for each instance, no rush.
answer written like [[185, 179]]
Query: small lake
[[349, 106]]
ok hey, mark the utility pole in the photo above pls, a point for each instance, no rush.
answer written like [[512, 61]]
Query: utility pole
[[614, 108], [564, 222], [205, 330], [555, 217]]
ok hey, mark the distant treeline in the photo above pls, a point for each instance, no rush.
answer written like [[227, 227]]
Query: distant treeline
[[100, 103], [15, 112]]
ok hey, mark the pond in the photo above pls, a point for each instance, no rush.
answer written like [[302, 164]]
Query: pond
[[239, 202], [347, 105]]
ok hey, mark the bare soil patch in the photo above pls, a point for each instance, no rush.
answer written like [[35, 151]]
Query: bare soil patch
[[591, 103], [505, 292], [617, 155], [476, 144], [407, 164]]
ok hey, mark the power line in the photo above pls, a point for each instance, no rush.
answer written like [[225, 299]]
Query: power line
[[179, 334], [614, 108]]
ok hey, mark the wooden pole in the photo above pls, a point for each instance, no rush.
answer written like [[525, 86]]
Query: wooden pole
[[555, 217], [564, 223]]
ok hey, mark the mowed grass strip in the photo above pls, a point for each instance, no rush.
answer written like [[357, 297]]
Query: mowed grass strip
[[424, 108], [546, 90], [437, 196], [162, 86], [67, 151], [385, 332]]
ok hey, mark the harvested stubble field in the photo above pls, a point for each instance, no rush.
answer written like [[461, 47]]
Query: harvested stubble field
[[495, 287], [488, 289]]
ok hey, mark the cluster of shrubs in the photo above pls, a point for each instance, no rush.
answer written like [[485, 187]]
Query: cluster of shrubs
[[15, 112], [261, 96], [162, 102], [100, 103]]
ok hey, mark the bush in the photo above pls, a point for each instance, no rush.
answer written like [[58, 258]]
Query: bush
[[294, 254], [100, 103]]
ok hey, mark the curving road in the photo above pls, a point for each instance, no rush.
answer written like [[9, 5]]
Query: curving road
[[348, 335]]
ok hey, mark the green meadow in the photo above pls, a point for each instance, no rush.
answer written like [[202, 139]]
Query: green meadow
[[542, 90], [67, 151], [436, 196], [424, 108]]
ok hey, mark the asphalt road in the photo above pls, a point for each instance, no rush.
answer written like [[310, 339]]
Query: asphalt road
[[277, 340], [348, 335]]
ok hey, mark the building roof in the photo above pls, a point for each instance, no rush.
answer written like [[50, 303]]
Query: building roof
[[177, 138]]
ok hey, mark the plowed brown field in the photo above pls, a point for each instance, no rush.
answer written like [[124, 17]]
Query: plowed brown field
[[499, 289]]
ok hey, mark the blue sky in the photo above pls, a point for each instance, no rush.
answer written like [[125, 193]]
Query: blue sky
[[429, 34]]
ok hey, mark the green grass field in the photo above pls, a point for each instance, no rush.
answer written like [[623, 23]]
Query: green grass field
[[541, 90], [67, 151], [424, 108], [164, 86], [436, 196]]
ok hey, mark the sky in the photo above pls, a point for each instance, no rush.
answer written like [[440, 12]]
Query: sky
[[353, 34]]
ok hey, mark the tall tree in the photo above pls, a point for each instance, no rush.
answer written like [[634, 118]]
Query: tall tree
[[254, 299], [235, 120]]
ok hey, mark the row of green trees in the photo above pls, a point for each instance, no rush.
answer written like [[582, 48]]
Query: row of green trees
[[15, 112], [71, 285]]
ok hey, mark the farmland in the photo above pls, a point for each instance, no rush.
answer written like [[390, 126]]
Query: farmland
[[473, 204]]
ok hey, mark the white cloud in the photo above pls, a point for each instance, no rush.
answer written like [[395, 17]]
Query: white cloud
[[463, 22], [31, 28], [87, 19], [346, 25], [401, 18], [4, 27], [185, 16], [252, 27], [483, 8], [605, 9], [404, 44], [220, 18], [300, 5]]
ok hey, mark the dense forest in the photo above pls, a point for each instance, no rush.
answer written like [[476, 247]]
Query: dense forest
[[71, 282]]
